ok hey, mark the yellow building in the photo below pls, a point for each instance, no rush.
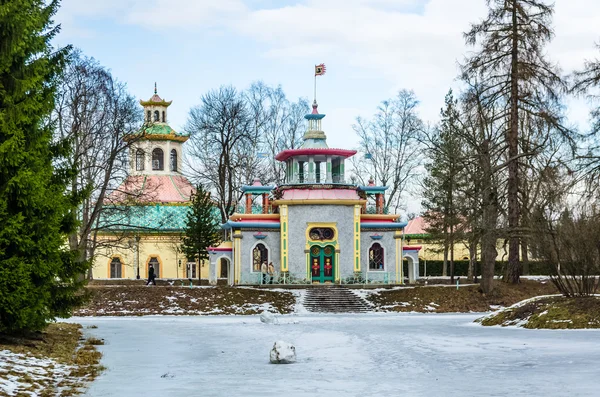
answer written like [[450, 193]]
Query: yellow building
[[415, 234], [145, 217]]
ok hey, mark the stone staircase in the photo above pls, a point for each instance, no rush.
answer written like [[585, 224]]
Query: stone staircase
[[333, 299]]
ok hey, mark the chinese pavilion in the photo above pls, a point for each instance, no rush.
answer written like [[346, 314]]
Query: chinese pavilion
[[315, 227]]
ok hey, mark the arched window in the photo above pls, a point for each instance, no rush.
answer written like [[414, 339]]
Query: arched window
[[115, 268], [173, 160], [139, 160], [149, 116], [158, 160], [156, 115], [163, 114], [155, 264], [260, 255], [376, 257]]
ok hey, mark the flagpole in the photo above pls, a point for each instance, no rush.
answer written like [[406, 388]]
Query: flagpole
[[315, 84]]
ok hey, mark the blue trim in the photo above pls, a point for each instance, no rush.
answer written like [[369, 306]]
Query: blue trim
[[254, 225], [257, 189], [373, 189], [376, 236], [377, 225], [314, 116]]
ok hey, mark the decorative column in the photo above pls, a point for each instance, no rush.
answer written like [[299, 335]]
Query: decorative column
[[329, 178], [342, 177], [378, 203], [248, 203], [357, 238], [311, 170], [265, 203], [283, 220], [237, 255]]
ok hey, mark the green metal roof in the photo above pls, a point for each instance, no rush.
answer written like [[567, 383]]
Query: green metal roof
[[150, 218], [161, 129]]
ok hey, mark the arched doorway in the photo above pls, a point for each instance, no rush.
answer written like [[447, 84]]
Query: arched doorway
[[154, 261], [322, 263], [223, 268]]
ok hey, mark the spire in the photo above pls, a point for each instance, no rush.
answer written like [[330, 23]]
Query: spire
[[155, 91]]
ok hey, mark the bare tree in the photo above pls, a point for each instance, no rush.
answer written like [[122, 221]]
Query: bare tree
[[586, 82], [512, 65], [483, 134], [224, 143], [279, 123], [389, 146], [96, 114]]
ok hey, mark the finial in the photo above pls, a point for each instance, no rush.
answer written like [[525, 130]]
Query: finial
[[315, 105], [155, 88], [371, 181]]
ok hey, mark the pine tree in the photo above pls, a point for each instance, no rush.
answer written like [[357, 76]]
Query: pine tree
[[513, 67], [39, 279], [202, 230], [440, 186]]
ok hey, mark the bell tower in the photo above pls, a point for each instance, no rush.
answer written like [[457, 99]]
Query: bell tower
[[159, 150]]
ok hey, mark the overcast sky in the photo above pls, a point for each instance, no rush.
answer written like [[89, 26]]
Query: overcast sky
[[372, 48]]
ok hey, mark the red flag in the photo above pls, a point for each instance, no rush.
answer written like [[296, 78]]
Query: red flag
[[320, 69]]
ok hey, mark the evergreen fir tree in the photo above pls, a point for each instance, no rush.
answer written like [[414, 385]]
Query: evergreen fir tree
[[202, 230], [38, 278], [441, 185]]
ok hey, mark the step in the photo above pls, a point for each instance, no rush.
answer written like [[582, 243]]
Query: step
[[334, 300]]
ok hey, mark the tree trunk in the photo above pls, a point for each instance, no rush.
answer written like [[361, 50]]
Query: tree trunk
[[490, 222], [445, 264], [451, 257], [525, 255], [514, 265], [471, 275]]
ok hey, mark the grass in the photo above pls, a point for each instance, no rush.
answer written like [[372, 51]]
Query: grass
[[550, 313], [141, 300], [74, 359], [465, 299]]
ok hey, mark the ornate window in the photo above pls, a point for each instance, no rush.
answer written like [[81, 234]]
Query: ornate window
[[163, 118], [321, 233], [139, 160], [157, 160], [173, 160], [260, 255], [149, 116], [156, 265], [115, 268], [156, 115], [376, 256]]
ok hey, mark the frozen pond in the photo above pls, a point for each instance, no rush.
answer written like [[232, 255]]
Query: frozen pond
[[360, 355]]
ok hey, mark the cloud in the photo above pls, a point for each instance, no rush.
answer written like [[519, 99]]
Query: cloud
[[409, 43]]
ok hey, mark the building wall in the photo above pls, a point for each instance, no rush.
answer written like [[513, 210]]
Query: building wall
[[388, 242], [163, 247], [300, 216], [273, 244], [435, 250]]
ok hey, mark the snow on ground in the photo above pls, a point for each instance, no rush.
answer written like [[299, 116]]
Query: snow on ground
[[44, 375], [340, 355]]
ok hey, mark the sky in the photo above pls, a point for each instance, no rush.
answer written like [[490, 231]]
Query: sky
[[372, 49]]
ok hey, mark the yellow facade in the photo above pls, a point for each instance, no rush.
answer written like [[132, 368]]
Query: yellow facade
[[165, 248]]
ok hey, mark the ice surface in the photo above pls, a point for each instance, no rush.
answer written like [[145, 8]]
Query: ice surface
[[342, 355], [282, 353]]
